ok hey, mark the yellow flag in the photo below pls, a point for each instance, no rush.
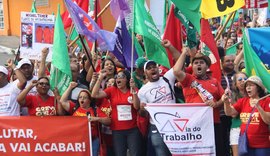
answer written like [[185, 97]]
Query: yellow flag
[[216, 8]]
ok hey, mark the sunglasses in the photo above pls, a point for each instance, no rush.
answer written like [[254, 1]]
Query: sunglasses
[[242, 78], [120, 76], [44, 84]]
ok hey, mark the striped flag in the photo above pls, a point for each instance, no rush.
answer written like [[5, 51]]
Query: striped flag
[[256, 4]]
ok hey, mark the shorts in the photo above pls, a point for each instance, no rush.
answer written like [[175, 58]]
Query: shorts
[[234, 136]]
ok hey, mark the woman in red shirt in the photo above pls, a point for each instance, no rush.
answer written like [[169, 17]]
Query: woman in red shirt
[[40, 104], [257, 131], [124, 103], [86, 106]]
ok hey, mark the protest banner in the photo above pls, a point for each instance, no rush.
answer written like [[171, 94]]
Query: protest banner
[[36, 33], [186, 129], [46, 136]]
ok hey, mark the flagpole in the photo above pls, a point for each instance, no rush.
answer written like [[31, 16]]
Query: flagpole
[[223, 27], [87, 54], [55, 85], [99, 14], [70, 30], [132, 42], [96, 18], [228, 35]]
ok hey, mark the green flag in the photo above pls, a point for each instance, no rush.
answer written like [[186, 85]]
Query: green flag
[[191, 10], [232, 49], [74, 34], [191, 31], [34, 9], [254, 65], [144, 25], [138, 47], [60, 70]]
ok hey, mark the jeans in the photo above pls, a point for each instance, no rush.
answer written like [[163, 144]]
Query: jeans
[[258, 152], [219, 140], [127, 139], [95, 146], [157, 142]]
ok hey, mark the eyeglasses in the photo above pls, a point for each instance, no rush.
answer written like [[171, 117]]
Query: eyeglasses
[[120, 76], [44, 84], [242, 78]]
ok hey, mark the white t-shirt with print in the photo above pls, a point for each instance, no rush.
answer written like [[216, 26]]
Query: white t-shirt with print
[[8, 100], [158, 91]]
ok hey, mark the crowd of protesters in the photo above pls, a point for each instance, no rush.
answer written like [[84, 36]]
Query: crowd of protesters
[[115, 98]]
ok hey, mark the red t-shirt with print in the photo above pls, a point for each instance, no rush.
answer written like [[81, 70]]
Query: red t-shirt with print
[[38, 107], [83, 112], [257, 132], [211, 85], [124, 115]]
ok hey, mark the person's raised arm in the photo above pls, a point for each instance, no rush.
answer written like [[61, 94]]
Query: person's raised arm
[[64, 98], [237, 60], [167, 44], [135, 98], [228, 108], [60, 110], [19, 74], [97, 92], [21, 97], [42, 66], [179, 65], [93, 81], [91, 70]]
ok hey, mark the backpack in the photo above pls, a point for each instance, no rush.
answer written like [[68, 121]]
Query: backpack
[[176, 92]]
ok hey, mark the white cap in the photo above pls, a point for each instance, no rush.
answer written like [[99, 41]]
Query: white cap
[[23, 61], [3, 70], [148, 63]]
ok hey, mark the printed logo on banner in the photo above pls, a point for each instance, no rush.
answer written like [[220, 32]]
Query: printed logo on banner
[[185, 129], [176, 124], [179, 122]]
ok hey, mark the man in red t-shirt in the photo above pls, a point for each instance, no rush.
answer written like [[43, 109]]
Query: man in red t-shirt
[[199, 87]]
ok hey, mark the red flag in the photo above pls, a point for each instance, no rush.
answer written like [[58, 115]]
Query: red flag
[[65, 16], [208, 39], [98, 21], [172, 32], [256, 4]]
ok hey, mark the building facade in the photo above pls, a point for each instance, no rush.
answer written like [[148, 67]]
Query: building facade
[[10, 13]]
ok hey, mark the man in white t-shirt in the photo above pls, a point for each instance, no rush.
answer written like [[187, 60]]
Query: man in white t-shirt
[[9, 92], [157, 90]]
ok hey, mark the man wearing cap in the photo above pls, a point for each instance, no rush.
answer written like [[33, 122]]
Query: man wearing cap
[[199, 87], [27, 68], [138, 74], [157, 90], [9, 92]]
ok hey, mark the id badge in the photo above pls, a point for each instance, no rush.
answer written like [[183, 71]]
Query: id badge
[[124, 112]]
